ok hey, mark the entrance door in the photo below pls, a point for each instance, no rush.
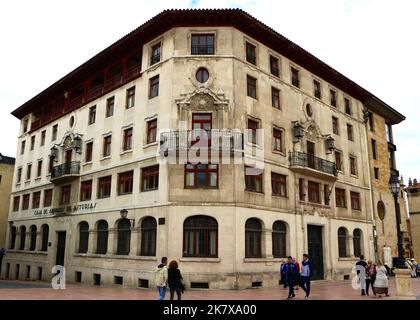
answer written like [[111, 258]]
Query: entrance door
[[67, 161], [201, 121], [315, 251], [310, 150], [61, 248]]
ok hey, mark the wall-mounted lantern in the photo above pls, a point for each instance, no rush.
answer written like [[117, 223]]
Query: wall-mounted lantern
[[54, 152], [298, 132], [330, 144], [77, 141]]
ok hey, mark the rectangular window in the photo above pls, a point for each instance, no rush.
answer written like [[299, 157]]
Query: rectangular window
[[92, 115], [86, 190], [125, 183], [252, 131], [19, 175], [65, 194], [278, 184], [39, 169], [154, 87], [326, 194], [106, 152], [295, 77], [374, 151], [22, 147], [32, 142], [151, 131], [43, 135], [275, 98], [50, 165], [130, 99], [89, 152], [301, 190], [350, 132], [110, 102], [338, 161], [128, 139], [25, 202], [277, 140], [333, 98], [251, 55], [253, 179], [353, 166], [391, 156], [104, 187], [274, 66], [36, 200], [48, 197], [355, 200], [202, 44], [340, 198], [28, 172], [371, 122], [313, 192], [347, 105], [376, 171], [54, 132], [317, 89], [25, 125], [388, 128], [150, 178], [251, 87], [201, 175], [16, 202], [155, 54], [335, 126]]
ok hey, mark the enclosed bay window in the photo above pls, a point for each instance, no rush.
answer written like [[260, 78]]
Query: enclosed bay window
[[201, 175]]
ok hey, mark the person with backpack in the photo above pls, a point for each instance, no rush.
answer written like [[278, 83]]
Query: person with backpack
[[161, 278], [175, 280], [290, 273], [361, 273], [305, 275]]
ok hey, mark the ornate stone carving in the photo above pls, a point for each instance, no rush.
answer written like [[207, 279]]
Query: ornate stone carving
[[203, 99]]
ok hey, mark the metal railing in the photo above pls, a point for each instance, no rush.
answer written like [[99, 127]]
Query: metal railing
[[216, 139], [310, 161], [155, 59], [70, 168], [202, 49]]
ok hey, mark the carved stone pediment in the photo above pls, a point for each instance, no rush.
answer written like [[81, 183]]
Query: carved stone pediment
[[203, 99], [67, 142], [313, 132]]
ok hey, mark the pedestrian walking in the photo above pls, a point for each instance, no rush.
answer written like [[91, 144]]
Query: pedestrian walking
[[361, 273], [175, 280], [305, 275], [370, 276], [161, 278], [290, 273], [380, 285], [297, 280], [2, 254], [283, 268]]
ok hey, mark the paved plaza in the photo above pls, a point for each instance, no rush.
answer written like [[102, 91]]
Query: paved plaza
[[321, 290]]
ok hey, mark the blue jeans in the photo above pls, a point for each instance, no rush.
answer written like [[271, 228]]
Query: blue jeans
[[162, 293], [291, 284]]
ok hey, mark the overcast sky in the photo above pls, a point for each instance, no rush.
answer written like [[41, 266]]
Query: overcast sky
[[373, 42]]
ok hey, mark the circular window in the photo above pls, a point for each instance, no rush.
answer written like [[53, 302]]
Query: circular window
[[309, 110], [381, 210], [202, 75], [71, 122]]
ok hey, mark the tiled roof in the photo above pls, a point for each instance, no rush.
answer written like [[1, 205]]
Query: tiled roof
[[7, 160]]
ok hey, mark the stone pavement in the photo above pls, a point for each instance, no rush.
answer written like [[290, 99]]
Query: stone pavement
[[321, 290]]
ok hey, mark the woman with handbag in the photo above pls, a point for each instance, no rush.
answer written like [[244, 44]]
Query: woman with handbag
[[370, 277], [175, 280]]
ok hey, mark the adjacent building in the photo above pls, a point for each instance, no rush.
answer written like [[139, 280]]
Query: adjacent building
[[6, 176], [107, 179], [413, 196]]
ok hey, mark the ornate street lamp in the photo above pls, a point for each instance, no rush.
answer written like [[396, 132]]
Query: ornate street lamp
[[124, 214], [394, 186], [298, 131], [54, 152], [330, 144], [77, 144]]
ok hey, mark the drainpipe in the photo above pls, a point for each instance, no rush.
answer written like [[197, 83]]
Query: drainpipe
[[375, 239]]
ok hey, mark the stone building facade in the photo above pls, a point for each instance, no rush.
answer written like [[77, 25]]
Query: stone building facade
[[95, 188], [413, 196], [6, 177]]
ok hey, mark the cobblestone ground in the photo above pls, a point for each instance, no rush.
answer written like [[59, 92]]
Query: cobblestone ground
[[321, 290]]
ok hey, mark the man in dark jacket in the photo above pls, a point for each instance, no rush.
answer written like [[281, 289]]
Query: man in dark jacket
[[2, 254], [290, 273], [305, 275], [361, 272]]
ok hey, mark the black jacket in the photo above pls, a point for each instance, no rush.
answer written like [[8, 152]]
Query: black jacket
[[174, 279]]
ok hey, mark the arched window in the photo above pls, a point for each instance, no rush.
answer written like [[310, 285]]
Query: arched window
[[12, 238], [279, 239], [381, 210], [148, 237], [342, 242], [45, 231], [357, 242], [32, 232], [83, 237], [200, 237], [124, 236], [22, 237], [253, 231], [102, 237]]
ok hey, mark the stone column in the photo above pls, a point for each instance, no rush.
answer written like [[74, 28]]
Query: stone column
[[92, 242], [403, 281], [27, 240], [112, 241], [38, 246], [350, 246], [267, 244], [134, 243]]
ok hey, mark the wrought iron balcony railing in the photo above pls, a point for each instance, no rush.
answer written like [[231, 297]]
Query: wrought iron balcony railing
[[65, 170], [202, 49], [306, 160]]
